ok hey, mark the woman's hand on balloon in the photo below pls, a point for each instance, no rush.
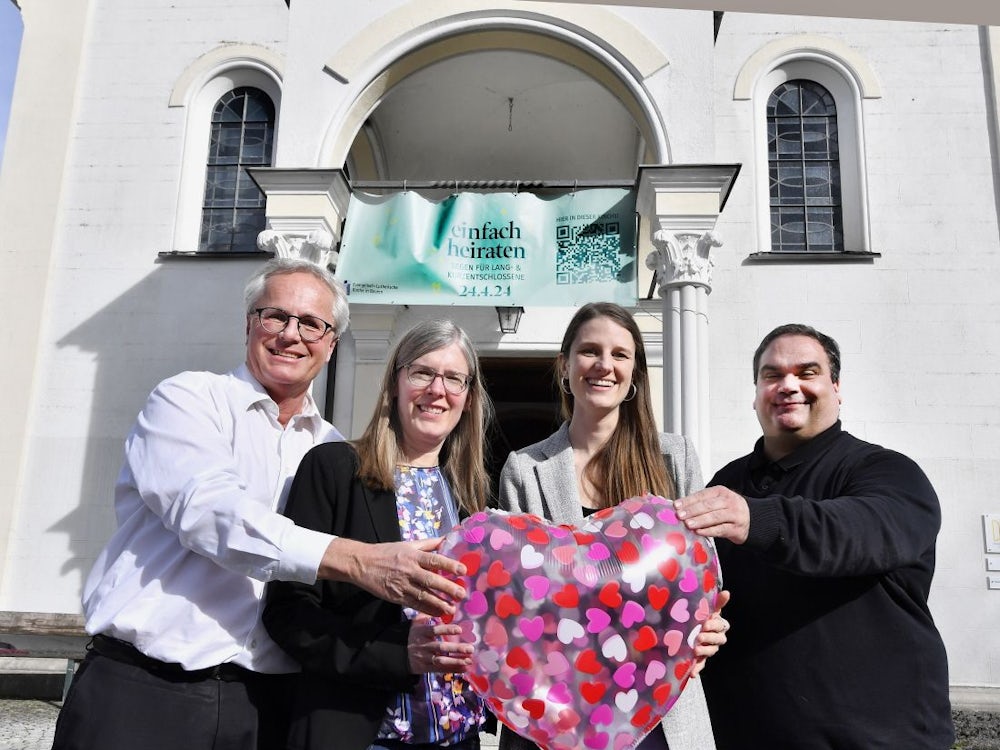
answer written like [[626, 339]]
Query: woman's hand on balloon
[[435, 647], [712, 635]]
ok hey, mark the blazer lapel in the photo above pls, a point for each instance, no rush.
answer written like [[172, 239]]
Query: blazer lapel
[[381, 506], [557, 480]]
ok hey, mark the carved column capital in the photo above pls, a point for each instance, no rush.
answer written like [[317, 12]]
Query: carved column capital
[[682, 258], [305, 211], [683, 203], [316, 245]]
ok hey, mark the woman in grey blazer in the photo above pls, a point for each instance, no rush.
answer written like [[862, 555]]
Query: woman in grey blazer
[[605, 452]]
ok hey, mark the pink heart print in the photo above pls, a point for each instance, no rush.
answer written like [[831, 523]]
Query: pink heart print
[[585, 641]]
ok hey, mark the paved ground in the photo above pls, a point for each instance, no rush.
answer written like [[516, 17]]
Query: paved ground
[[29, 724]]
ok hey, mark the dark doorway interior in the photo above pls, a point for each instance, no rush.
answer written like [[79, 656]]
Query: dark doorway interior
[[526, 402]]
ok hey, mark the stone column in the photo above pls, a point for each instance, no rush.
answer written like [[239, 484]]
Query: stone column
[[682, 204]]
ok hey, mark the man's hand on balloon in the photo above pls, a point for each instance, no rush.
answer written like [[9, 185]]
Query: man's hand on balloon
[[411, 574], [434, 647], [715, 511], [712, 635]]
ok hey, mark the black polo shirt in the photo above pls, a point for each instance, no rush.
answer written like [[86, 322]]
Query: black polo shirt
[[832, 643]]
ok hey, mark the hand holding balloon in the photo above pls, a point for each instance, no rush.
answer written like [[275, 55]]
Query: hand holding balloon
[[712, 636], [434, 647]]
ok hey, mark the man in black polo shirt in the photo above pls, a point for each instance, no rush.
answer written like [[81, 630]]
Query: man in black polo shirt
[[827, 544]]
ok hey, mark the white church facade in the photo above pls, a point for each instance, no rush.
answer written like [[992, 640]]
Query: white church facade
[[838, 172]]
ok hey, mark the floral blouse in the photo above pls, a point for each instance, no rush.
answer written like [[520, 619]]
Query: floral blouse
[[442, 709]]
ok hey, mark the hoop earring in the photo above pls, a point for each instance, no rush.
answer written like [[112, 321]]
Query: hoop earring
[[564, 386], [635, 390]]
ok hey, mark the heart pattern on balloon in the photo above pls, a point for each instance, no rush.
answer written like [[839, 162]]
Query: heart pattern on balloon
[[584, 637]]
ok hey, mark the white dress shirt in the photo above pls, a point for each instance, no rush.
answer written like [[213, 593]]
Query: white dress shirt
[[198, 505]]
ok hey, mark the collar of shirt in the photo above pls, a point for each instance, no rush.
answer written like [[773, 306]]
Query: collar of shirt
[[762, 467], [256, 394]]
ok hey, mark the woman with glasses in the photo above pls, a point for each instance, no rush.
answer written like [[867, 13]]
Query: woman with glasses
[[608, 450], [376, 675]]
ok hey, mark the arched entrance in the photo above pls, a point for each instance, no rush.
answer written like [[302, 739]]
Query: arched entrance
[[475, 97], [509, 104]]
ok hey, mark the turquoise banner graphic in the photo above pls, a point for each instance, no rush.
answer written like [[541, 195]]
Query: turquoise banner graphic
[[494, 249]]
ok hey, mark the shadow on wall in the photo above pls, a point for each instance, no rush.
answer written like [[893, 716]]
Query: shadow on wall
[[185, 315]]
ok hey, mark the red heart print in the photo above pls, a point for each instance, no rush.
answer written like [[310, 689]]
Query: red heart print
[[678, 541], [471, 561], [700, 554], [669, 569], [593, 691], [708, 582], [662, 692], [507, 605], [534, 707], [610, 595], [587, 662], [646, 638], [628, 553], [567, 719], [681, 669], [537, 536], [658, 596], [497, 576], [568, 596], [478, 682], [641, 717], [518, 658], [583, 539]]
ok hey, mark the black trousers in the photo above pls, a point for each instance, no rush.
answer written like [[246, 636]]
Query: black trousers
[[122, 700]]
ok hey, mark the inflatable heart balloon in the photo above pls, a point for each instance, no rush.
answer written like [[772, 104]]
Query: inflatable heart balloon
[[584, 636]]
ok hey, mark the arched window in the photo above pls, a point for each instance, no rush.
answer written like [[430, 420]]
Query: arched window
[[803, 158], [810, 187], [242, 135]]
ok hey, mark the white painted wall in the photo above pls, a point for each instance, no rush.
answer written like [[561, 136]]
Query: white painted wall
[[918, 326], [115, 319]]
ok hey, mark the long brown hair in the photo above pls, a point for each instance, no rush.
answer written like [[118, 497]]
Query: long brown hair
[[630, 463], [463, 454]]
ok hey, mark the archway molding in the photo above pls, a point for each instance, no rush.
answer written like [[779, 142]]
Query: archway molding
[[611, 51]]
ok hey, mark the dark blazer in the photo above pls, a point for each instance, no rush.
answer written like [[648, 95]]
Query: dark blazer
[[350, 644]]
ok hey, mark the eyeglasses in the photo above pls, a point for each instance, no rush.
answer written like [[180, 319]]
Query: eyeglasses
[[454, 382], [275, 320]]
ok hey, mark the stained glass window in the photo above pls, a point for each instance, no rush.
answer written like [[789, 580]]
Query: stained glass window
[[242, 136], [804, 164]]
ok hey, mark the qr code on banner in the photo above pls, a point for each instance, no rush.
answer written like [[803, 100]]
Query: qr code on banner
[[587, 253]]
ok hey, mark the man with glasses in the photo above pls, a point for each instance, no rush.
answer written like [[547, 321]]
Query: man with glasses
[[179, 657]]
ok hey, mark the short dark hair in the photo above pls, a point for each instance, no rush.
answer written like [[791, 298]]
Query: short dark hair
[[801, 329]]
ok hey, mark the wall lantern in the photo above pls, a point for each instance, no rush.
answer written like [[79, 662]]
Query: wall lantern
[[510, 318]]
